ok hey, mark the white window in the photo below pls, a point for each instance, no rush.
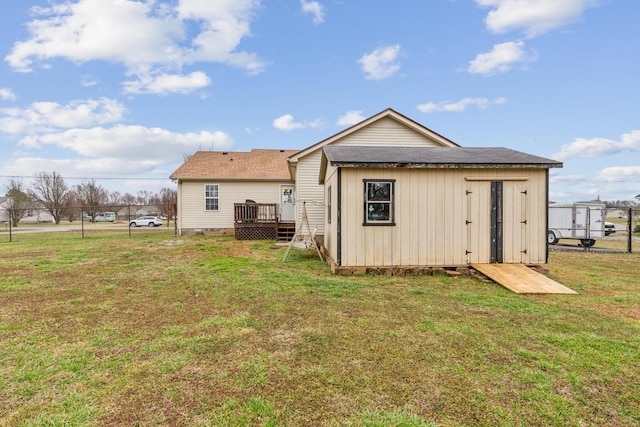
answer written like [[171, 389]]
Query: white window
[[211, 197], [379, 202]]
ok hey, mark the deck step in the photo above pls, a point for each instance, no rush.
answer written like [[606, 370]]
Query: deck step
[[286, 231]]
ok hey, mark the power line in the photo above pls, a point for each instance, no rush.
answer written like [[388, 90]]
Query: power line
[[93, 177]]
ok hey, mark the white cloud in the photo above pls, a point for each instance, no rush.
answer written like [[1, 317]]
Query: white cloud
[[350, 118], [381, 63], [619, 173], [287, 124], [140, 35], [500, 59], [533, 17], [594, 147], [150, 146], [28, 166], [165, 84], [45, 116], [315, 9], [7, 94], [459, 106], [88, 80]]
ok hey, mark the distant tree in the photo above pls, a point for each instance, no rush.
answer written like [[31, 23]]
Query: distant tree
[[74, 206], [115, 198], [144, 197], [620, 204], [17, 200], [52, 192], [92, 195], [128, 199], [168, 198]]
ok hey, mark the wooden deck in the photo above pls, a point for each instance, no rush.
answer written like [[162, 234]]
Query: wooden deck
[[521, 279]]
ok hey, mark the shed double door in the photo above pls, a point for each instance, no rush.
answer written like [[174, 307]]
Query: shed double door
[[496, 222]]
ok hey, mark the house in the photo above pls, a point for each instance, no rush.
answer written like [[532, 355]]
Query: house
[[30, 213], [214, 188], [384, 192], [385, 129], [433, 206]]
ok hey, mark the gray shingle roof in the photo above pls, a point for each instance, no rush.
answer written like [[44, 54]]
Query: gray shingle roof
[[434, 157]]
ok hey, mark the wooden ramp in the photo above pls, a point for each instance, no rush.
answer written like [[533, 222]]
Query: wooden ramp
[[521, 279]]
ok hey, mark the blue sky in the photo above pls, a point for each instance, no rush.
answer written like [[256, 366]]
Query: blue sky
[[121, 90]]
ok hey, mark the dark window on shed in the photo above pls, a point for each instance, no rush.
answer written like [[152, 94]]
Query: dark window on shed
[[379, 201]]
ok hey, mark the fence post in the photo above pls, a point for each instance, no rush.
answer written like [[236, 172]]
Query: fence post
[[630, 227]]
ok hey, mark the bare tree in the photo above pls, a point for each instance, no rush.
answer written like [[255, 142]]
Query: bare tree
[[128, 199], [52, 192], [144, 197], [17, 200], [92, 195], [115, 198], [168, 198], [74, 206]]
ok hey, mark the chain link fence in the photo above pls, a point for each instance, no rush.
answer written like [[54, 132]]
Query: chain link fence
[[83, 220]]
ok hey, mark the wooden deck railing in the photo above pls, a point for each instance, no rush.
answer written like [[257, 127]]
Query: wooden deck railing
[[264, 213]]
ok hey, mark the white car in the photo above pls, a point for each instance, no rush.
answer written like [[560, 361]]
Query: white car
[[609, 228], [151, 221]]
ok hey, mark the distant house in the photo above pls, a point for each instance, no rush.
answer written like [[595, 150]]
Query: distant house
[[32, 213], [385, 192]]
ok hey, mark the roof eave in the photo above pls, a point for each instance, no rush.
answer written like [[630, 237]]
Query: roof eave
[[389, 112], [412, 165]]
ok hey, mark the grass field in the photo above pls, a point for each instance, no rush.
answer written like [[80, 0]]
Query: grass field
[[156, 329]]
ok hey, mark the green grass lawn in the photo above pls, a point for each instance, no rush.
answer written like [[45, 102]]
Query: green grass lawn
[[156, 329]]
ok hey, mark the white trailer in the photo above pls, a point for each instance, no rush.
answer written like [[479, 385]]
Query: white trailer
[[582, 221]]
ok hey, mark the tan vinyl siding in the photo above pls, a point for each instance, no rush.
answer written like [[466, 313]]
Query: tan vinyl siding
[[432, 207], [384, 132], [191, 210], [308, 190], [387, 132]]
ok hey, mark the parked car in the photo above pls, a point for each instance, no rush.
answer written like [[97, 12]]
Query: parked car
[[609, 228], [151, 221]]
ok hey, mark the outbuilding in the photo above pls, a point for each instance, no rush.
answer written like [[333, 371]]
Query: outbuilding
[[416, 207]]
